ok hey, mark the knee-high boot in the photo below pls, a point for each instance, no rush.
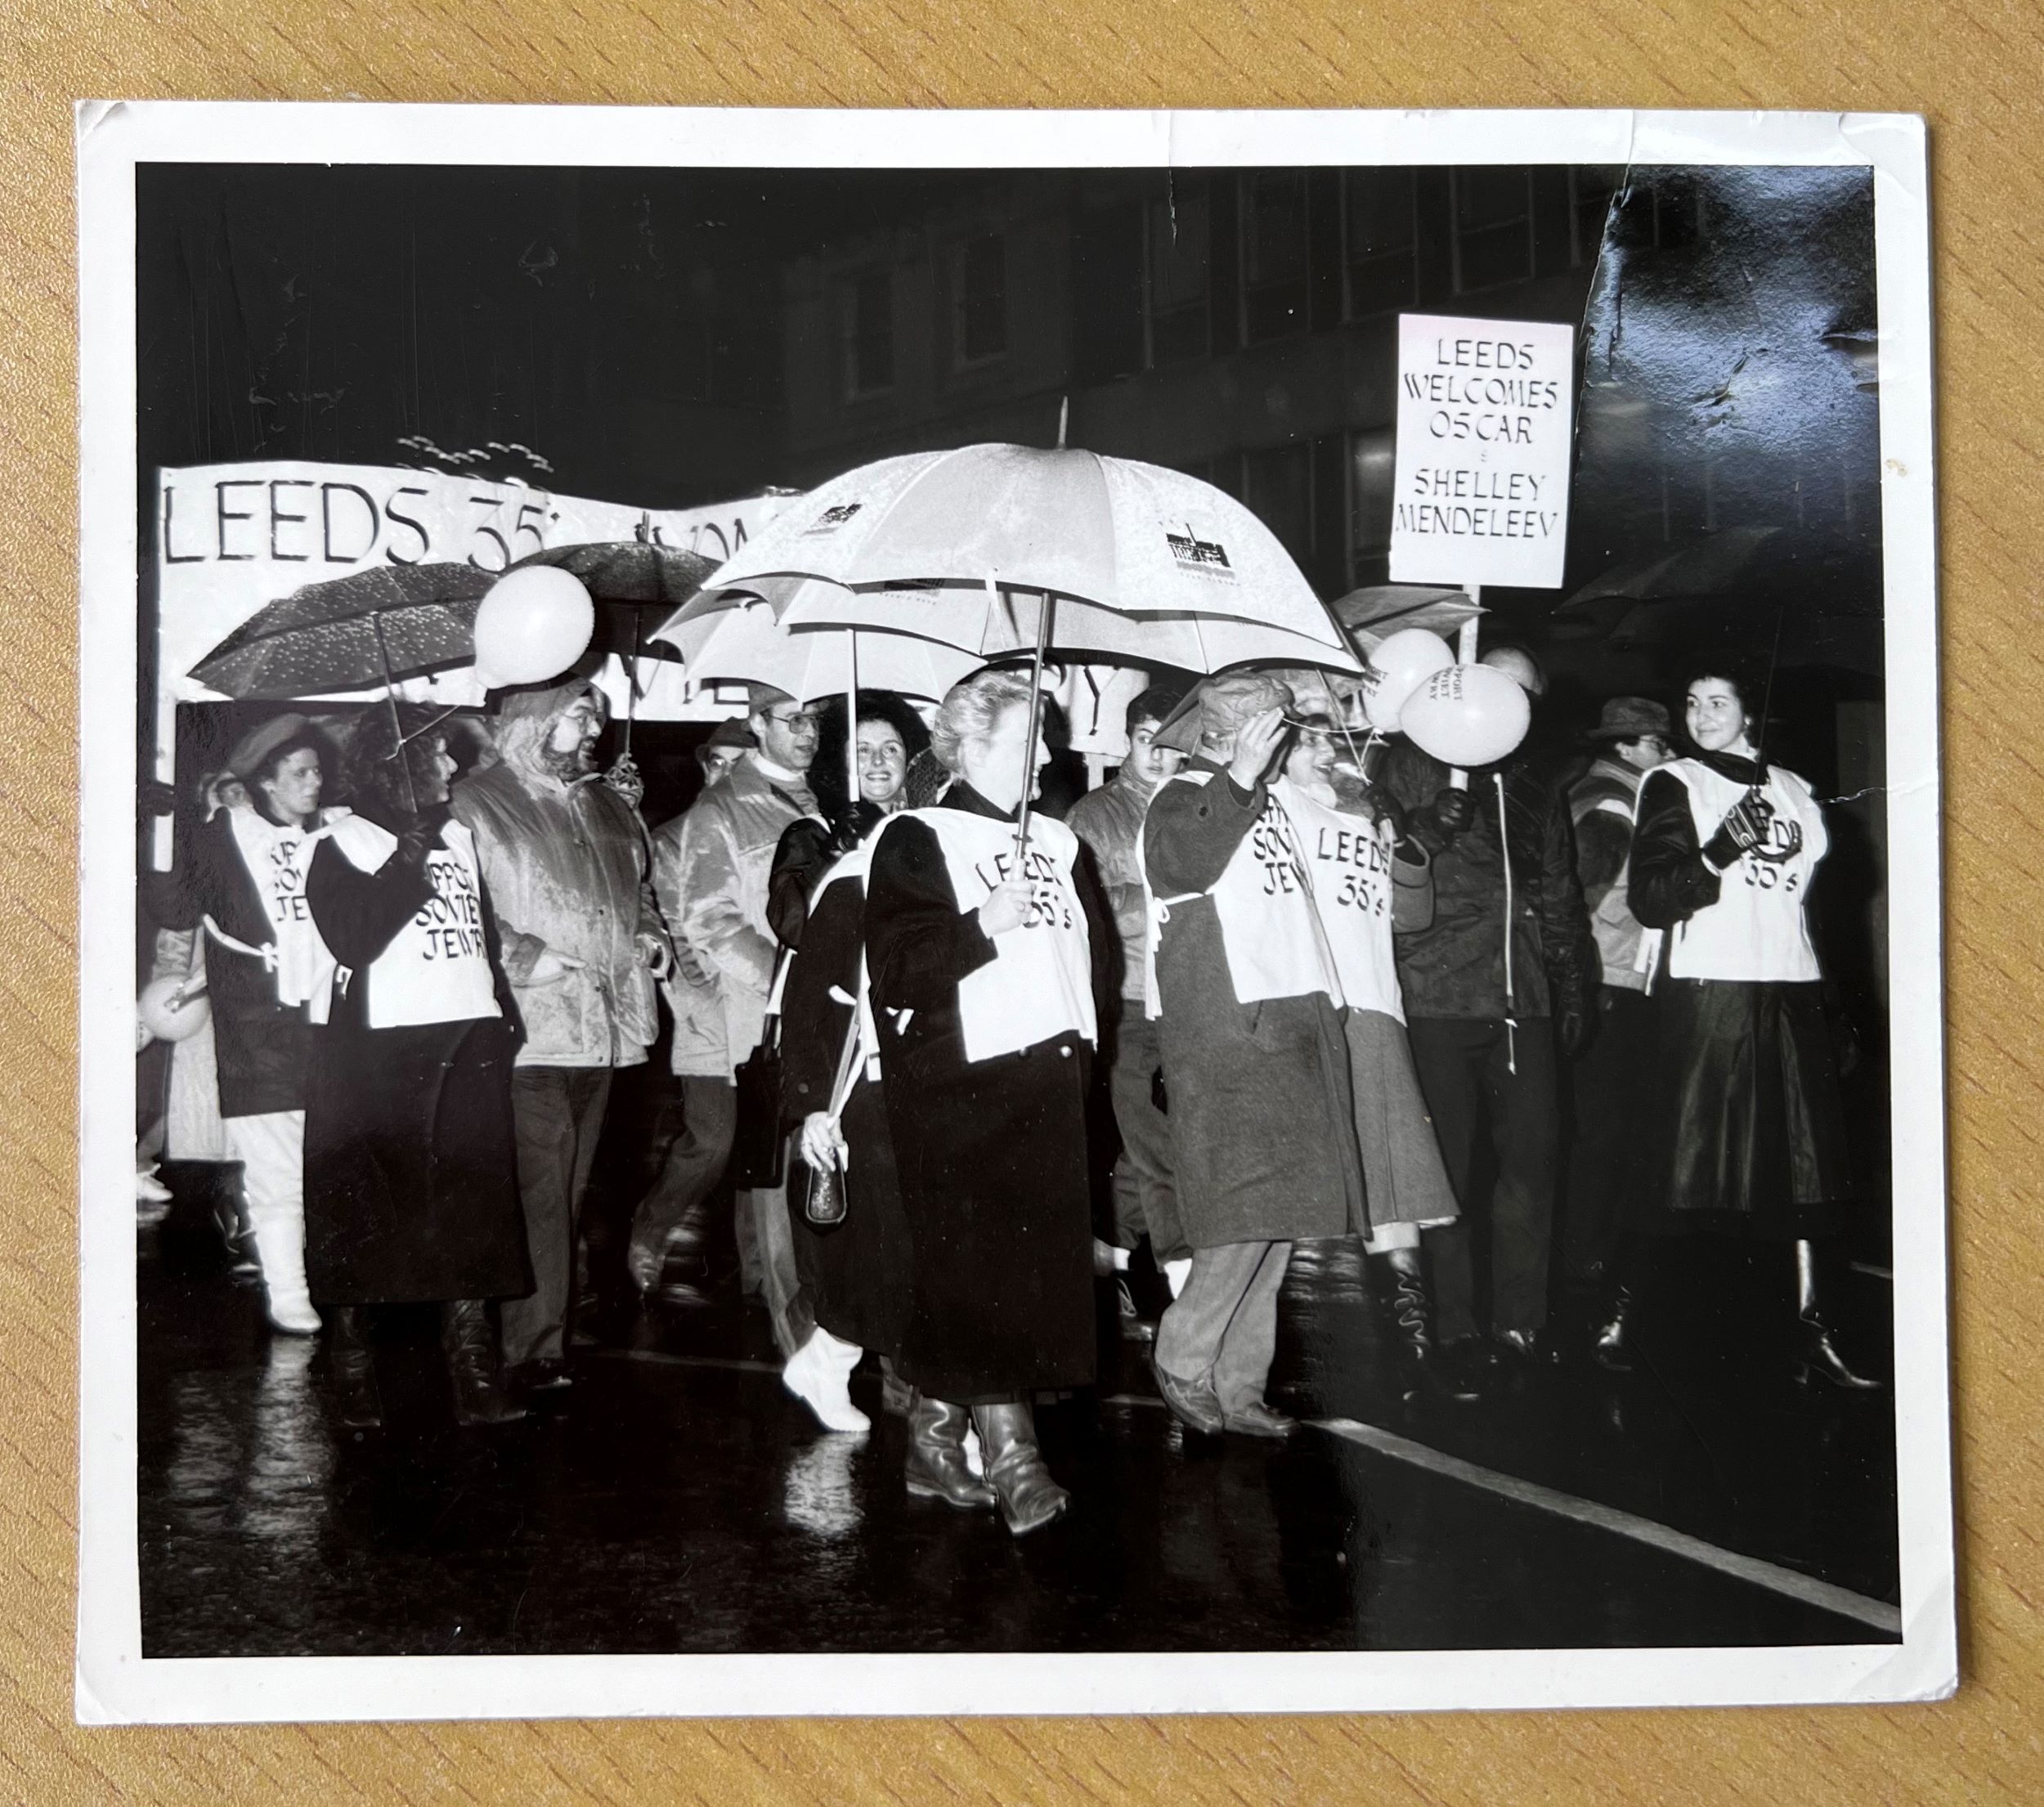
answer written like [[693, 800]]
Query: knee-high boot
[[937, 1465], [1817, 1355], [471, 1364], [1399, 1279], [353, 1367], [1029, 1498]]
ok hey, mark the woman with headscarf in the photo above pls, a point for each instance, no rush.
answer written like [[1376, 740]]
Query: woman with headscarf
[[854, 1271], [984, 963], [1746, 1130], [412, 1189]]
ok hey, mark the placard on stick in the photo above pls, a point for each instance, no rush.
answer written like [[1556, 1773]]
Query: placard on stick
[[1481, 489]]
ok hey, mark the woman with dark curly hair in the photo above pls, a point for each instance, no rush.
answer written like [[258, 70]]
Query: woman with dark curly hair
[[411, 1188], [1746, 1133]]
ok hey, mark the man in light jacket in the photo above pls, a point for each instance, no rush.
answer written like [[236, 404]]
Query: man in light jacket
[[714, 885], [565, 861]]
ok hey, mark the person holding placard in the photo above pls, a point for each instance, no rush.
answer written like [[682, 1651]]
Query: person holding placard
[[1248, 1003], [412, 1185], [1746, 1123], [986, 965]]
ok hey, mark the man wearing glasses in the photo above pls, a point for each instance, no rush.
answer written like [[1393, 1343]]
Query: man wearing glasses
[[715, 892], [1631, 738]]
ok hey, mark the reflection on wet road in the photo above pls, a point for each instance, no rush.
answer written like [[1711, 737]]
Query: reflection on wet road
[[682, 1502]]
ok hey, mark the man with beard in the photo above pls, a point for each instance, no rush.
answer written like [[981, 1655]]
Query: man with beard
[[716, 886], [564, 862]]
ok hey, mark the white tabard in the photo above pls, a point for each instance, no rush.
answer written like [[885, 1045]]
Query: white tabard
[[1039, 985], [1757, 929], [1349, 858], [437, 967], [1269, 929], [270, 851]]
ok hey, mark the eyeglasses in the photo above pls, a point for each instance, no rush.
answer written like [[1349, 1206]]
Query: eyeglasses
[[797, 719]]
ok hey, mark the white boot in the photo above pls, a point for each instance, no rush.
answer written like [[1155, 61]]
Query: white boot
[[819, 1374], [279, 1244]]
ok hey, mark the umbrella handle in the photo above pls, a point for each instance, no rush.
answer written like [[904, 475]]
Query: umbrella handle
[[1036, 722], [397, 721]]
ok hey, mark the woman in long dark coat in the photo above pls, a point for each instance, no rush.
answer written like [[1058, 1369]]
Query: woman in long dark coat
[[984, 974], [855, 1271], [1747, 1132], [411, 1186]]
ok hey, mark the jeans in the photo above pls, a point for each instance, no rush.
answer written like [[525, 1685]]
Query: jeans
[[1222, 1329]]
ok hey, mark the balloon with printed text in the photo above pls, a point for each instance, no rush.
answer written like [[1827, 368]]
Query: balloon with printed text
[[1467, 715], [534, 623], [1397, 668]]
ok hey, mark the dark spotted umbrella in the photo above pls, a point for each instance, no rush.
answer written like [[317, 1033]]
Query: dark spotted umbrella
[[351, 633]]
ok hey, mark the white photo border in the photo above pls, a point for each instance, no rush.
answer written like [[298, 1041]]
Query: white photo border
[[115, 1684]]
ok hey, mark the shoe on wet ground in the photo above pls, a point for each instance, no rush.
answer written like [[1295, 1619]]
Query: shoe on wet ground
[[1192, 1403], [1257, 1419]]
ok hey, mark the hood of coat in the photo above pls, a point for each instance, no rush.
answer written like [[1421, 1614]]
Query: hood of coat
[[525, 724]]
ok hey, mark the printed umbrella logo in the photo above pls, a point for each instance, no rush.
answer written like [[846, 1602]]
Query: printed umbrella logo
[[832, 519], [1205, 558]]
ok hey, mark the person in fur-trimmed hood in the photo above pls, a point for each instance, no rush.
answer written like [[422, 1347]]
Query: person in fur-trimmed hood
[[565, 861]]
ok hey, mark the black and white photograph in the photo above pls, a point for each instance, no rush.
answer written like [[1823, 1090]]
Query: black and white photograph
[[1007, 913]]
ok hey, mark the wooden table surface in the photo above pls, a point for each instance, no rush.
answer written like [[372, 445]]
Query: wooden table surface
[[1974, 69]]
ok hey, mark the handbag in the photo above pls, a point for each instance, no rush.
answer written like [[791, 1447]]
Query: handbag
[[759, 1147], [820, 1193]]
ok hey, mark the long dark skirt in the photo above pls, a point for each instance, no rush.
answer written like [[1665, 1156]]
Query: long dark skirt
[[857, 1272], [994, 1187], [410, 1174], [1746, 1127]]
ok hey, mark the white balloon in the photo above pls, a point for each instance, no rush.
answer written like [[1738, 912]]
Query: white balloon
[[167, 1023], [1397, 668], [533, 624], [1469, 715]]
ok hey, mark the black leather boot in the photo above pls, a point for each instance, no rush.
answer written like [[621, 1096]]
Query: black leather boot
[[1817, 1356], [1400, 1283], [1029, 1498], [353, 1368], [471, 1364], [937, 1468]]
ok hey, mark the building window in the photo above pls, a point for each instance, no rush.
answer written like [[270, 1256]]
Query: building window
[[979, 300], [1493, 226], [868, 303], [1274, 255], [1278, 488], [1177, 275], [1591, 192], [1372, 460], [1380, 234]]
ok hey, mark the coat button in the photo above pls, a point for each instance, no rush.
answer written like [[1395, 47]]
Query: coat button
[[1065, 1054]]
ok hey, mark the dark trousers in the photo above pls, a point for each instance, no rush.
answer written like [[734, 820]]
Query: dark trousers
[[679, 1199], [1145, 1202], [1612, 1088], [557, 1114], [1473, 1098]]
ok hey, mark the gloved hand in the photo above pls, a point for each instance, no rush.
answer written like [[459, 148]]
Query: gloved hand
[[1746, 828], [857, 822], [419, 840], [1433, 825], [1576, 1028]]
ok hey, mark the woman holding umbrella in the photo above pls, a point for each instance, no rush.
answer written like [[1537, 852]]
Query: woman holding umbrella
[[1747, 1130], [411, 1186], [984, 960], [856, 1271]]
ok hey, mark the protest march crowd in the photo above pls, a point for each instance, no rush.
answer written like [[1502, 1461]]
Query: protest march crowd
[[953, 1060]]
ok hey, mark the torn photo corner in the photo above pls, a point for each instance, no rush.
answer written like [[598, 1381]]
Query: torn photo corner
[[691, 1152]]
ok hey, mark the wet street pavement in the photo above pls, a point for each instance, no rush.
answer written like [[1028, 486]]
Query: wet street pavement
[[677, 1499]]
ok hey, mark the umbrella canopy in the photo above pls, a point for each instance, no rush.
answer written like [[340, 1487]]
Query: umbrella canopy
[[629, 570], [1116, 535], [747, 645], [333, 637], [1375, 612], [1809, 599]]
